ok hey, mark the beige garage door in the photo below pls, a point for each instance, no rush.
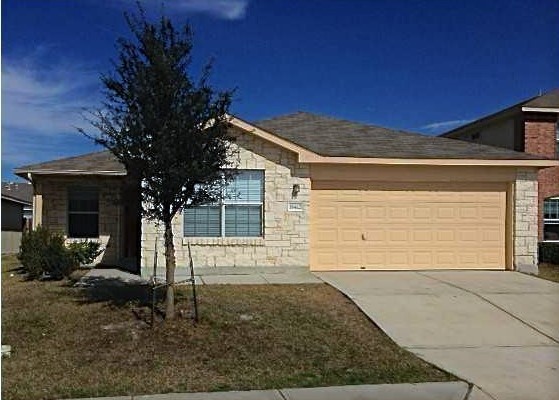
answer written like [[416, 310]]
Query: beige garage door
[[407, 226]]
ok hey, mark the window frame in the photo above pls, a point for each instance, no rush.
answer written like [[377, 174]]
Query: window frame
[[550, 221], [224, 202], [69, 212]]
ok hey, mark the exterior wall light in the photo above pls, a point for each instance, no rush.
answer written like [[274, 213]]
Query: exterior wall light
[[295, 191]]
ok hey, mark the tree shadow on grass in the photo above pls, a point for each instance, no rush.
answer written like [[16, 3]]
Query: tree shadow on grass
[[137, 295], [132, 293], [116, 291]]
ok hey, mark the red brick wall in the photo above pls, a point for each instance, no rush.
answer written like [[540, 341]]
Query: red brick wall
[[540, 139]]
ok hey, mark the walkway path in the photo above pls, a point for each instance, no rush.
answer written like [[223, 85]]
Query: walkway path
[[419, 391]]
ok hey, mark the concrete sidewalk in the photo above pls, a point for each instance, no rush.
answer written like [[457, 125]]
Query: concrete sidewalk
[[496, 329], [213, 276], [405, 391]]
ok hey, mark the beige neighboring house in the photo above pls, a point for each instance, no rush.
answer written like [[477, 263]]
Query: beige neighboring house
[[17, 200], [320, 193]]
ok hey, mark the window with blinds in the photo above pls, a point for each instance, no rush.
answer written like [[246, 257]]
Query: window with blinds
[[551, 219], [238, 215]]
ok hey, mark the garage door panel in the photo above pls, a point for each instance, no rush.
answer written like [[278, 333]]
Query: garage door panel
[[398, 258], [349, 211], [491, 258], [377, 236], [423, 213], [408, 228], [326, 259], [350, 237], [350, 258], [468, 257], [398, 236], [445, 235], [323, 212], [375, 212], [398, 212], [423, 235], [423, 259], [492, 235], [491, 212], [375, 257], [326, 237], [445, 258], [467, 236]]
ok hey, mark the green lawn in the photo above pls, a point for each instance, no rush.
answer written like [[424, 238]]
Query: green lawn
[[71, 342]]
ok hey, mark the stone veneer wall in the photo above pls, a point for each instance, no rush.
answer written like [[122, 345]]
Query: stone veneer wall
[[286, 233], [526, 221], [54, 191]]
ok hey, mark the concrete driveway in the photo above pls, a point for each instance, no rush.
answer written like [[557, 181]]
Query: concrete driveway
[[498, 330]]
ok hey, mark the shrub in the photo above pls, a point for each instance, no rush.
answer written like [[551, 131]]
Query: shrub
[[84, 253], [548, 252], [43, 253]]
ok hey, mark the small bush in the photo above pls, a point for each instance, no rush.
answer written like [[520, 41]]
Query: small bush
[[548, 252], [84, 252], [43, 253]]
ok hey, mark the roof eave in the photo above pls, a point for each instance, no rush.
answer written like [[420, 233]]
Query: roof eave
[[13, 199], [307, 156], [270, 137], [550, 110], [24, 173], [478, 123], [507, 112], [537, 163]]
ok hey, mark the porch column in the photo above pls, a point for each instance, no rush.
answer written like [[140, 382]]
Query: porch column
[[37, 210], [526, 221]]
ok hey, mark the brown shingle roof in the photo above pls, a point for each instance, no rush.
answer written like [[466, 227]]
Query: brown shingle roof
[[339, 138], [325, 136], [546, 100], [102, 163]]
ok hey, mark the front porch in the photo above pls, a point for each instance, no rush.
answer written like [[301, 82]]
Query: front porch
[[103, 209]]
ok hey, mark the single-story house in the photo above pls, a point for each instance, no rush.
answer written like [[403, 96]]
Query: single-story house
[[317, 192], [17, 203]]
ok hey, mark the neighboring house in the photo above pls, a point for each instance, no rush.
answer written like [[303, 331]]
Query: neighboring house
[[530, 126], [17, 205], [317, 192]]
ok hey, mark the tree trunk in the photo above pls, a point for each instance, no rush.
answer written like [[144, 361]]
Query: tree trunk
[[170, 264]]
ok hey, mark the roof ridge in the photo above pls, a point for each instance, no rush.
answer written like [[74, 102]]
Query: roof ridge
[[331, 136], [338, 119]]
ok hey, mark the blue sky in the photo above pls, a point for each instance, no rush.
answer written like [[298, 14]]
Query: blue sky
[[424, 66]]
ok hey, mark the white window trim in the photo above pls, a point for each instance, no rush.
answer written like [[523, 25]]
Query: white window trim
[[225, 203], [551, 221], [229, 202]]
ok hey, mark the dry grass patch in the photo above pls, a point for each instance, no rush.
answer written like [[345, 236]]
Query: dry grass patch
[[549, 272], [70, 342]]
